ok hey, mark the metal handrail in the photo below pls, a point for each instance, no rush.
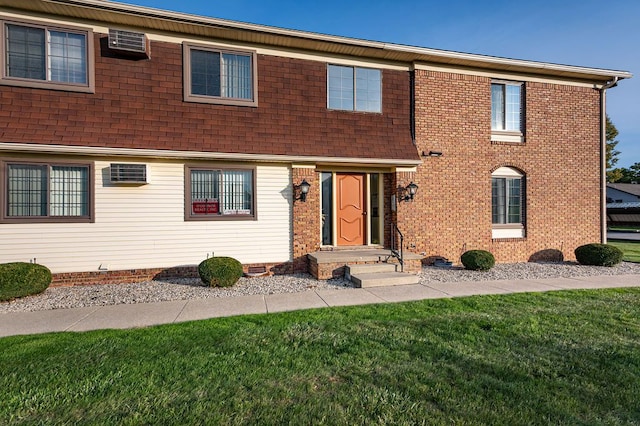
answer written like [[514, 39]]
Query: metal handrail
[[398, 254]]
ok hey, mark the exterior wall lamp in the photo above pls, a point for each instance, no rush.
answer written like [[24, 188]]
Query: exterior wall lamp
[[304, 190], [432, 154], [410, 190]]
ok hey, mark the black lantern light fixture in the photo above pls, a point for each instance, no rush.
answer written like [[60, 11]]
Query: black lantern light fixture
[[411, 190], [304, 190]]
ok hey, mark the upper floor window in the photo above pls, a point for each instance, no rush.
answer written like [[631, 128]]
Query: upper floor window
[[507, 203], [216, 193], [354, 88], [47, 192], [506, 107], [47, 57], [219, 76]]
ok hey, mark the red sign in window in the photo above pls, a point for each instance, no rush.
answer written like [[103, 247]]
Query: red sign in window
[[205, 207]]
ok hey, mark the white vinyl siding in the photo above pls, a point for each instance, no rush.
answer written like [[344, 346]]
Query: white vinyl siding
[[144, 226]]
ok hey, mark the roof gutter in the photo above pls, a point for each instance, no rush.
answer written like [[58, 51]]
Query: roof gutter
[[95, 151], [603, 157]]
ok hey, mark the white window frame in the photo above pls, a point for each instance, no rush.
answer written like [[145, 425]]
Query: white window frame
[[503, 134], [509, 230]]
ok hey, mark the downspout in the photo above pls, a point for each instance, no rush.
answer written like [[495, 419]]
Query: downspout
[[603, 157]]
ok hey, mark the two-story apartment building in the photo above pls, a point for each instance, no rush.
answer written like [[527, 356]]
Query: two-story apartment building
[[136, 141]]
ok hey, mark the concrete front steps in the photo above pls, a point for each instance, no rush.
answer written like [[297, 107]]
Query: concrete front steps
[[331, 263], [378, 274]]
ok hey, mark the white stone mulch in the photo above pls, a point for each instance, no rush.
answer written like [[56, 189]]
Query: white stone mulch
[[192, 288]]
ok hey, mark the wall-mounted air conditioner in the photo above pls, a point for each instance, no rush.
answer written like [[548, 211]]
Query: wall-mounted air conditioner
[[128, 173], [129, 42]]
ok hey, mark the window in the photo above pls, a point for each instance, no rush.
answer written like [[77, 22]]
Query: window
[[37, 192], [219, 193], [506, 108], [47, 57], [507, 203], [354, 89], [219, 76]]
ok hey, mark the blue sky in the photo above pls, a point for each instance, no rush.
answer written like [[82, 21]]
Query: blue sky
[[601, 34]]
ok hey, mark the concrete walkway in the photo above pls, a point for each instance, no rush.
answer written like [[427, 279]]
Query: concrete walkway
[[148, 314]]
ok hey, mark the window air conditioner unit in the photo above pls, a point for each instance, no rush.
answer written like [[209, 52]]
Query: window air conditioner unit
[[129, 42], [128, 173]]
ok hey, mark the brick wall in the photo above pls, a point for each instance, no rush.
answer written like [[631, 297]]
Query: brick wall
[[560, 157], [306, 218], [139, 104]]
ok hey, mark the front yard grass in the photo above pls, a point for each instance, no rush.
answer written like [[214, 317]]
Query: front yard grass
[[568, 357], [631, 250]]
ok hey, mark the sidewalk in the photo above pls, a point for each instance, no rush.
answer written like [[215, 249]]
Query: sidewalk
[[148, 314]]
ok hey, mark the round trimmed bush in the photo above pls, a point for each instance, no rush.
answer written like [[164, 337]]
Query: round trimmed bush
[[19, 279], [598, 254], [478, 260], [220, 271]]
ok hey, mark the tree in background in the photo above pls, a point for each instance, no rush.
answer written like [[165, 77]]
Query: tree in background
[[630, 175], [620, 174], [613, 175]]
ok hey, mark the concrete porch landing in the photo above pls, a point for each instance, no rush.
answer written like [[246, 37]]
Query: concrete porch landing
[[327, 264]]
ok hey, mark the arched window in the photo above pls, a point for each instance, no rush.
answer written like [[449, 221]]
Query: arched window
[[507, 203]]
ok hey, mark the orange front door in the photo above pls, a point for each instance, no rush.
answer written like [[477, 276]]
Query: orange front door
[[351, 209]]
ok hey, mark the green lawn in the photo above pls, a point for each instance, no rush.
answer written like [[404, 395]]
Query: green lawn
[[548, 358], [631, 249]]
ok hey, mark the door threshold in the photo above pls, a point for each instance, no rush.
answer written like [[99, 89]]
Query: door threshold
[[352, 248]]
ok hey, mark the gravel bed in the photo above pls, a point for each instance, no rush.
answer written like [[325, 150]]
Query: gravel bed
[[165, 290], [526, 270], [192, 288]]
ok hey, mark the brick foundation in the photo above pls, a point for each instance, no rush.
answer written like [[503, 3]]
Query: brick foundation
[[69, 279]]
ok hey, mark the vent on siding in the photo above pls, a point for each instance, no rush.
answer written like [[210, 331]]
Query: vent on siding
[[128, 173], [129, 42]]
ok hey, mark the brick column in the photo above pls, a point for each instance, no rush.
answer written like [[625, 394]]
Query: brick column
[[408, 216], [306, 217]]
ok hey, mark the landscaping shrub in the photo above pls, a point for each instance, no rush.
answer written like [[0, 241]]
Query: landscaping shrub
[[19, 279], [478, 260], [220, 271], [598, 254]]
